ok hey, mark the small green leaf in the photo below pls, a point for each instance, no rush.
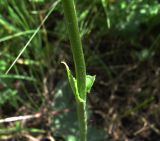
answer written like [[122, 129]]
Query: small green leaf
[[72, 138], [89, 82], [73, 83], [71, 79]]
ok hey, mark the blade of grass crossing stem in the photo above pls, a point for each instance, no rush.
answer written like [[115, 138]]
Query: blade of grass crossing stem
[[22, 33]]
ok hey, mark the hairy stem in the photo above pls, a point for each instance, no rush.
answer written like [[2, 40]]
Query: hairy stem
[[80, 68], [82, 118], [76, 46]]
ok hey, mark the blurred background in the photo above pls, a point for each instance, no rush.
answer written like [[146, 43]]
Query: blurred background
[[121, 41]]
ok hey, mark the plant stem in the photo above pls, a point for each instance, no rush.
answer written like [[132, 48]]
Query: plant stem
[[80, 68], [76, 46], [82, 118]]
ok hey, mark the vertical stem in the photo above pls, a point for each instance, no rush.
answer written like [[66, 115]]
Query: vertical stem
[[80, 68], [82, 118], [76, 46]]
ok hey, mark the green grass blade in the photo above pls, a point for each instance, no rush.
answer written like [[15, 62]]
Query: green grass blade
[[34, 34]]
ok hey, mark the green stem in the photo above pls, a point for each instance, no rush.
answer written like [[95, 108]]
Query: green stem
[[80, 68], [76, 46], [82, 118]]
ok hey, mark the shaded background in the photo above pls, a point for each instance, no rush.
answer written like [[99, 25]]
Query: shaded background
[[121, 42]]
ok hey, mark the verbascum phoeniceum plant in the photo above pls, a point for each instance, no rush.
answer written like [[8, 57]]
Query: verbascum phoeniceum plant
[[81, 85]]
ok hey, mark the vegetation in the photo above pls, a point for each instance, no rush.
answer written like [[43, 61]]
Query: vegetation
[[83, 83], [121, 46]]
